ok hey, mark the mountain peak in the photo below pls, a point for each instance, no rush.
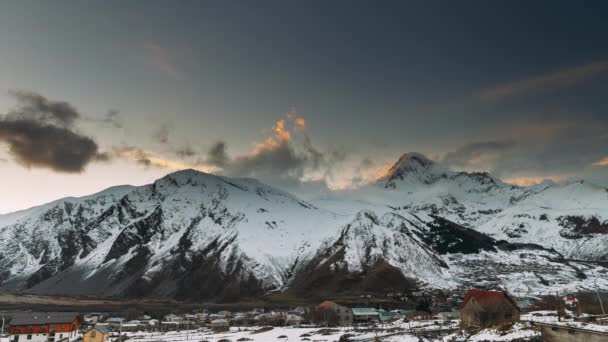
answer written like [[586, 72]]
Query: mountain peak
[[412, 166]]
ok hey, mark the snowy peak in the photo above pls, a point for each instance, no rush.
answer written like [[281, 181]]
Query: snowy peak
[[414, 168]]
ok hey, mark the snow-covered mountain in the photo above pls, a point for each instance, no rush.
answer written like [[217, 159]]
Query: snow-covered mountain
[[192, 235]]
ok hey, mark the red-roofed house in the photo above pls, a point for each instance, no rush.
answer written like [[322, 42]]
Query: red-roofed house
[[330, 313], [483, 309]]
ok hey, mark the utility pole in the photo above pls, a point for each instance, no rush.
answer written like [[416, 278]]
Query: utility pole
[[2, 331], [600, 299], [559, 317]]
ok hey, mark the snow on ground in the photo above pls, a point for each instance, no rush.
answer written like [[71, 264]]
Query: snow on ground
[[397, 331], [518, 331], [550, 317]]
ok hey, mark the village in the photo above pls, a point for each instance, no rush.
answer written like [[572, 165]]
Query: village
[[481, 315]]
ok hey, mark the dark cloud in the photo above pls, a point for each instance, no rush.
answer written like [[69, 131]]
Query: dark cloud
[[39, 133], [282, 161], [112, 118], [472, 154], [185, 151], [553, 151], [217, 154], [162, 134], [39, 145], [35, 107]]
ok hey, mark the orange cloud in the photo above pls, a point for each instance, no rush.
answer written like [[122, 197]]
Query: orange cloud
[[532, 180], [601, 162], [282, 133]]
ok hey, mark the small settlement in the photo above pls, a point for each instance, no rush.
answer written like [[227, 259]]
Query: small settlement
[[477, 310]]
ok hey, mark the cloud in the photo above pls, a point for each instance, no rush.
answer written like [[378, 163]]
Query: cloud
[[478, 154], [162, 60], [277, 155], [162, 134], [288, 158], [531, 153], [553, 80], [35, 107], [601, 162], [111, 118], [217, 154], [533, 180], [154, 160], [185, 151], [39, 133]]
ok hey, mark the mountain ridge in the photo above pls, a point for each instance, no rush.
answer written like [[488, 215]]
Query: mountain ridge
[[193, 235]]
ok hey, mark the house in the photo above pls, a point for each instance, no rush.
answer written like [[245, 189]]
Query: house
[[114, 323], [292, 319], [365, 314], [219, 323], [571, 302], [43, 327], [388, 316], [96, 334], [329, 312], [483, 309]]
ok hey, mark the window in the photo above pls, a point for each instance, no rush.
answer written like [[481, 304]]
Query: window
[[29, 337], [93, 334], [60, 336]]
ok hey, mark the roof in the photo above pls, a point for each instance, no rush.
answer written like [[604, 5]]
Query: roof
[[31, 318], [221, 320], [101, 329], [489, 300], [326, 305], [450, 313], [364, 311]]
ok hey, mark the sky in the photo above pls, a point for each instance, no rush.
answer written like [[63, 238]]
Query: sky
[[302, 95]]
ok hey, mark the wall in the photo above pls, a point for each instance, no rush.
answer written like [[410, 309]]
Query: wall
[[99, 337], [551, 334]]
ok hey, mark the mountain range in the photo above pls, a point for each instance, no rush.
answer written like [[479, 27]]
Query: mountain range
[[197, 236]]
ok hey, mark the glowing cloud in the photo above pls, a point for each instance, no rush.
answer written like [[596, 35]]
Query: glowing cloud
[[601, 162], [533, 180], [151, 159]]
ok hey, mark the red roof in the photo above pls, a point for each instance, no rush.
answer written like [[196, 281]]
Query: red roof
[[326, 305], [487, 299]]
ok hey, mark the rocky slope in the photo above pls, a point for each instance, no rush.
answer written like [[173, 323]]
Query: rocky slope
[[192, 235]]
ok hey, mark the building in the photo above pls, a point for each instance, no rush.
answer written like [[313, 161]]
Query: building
[[44, 327], [330, 313], [483, 309], [96, 334], [114, 323], [219, 323], [365, 314], [292, 319]]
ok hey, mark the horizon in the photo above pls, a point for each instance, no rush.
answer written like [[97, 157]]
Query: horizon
[[299, 96]]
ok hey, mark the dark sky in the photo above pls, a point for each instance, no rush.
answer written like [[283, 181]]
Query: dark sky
[[515, 88]]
